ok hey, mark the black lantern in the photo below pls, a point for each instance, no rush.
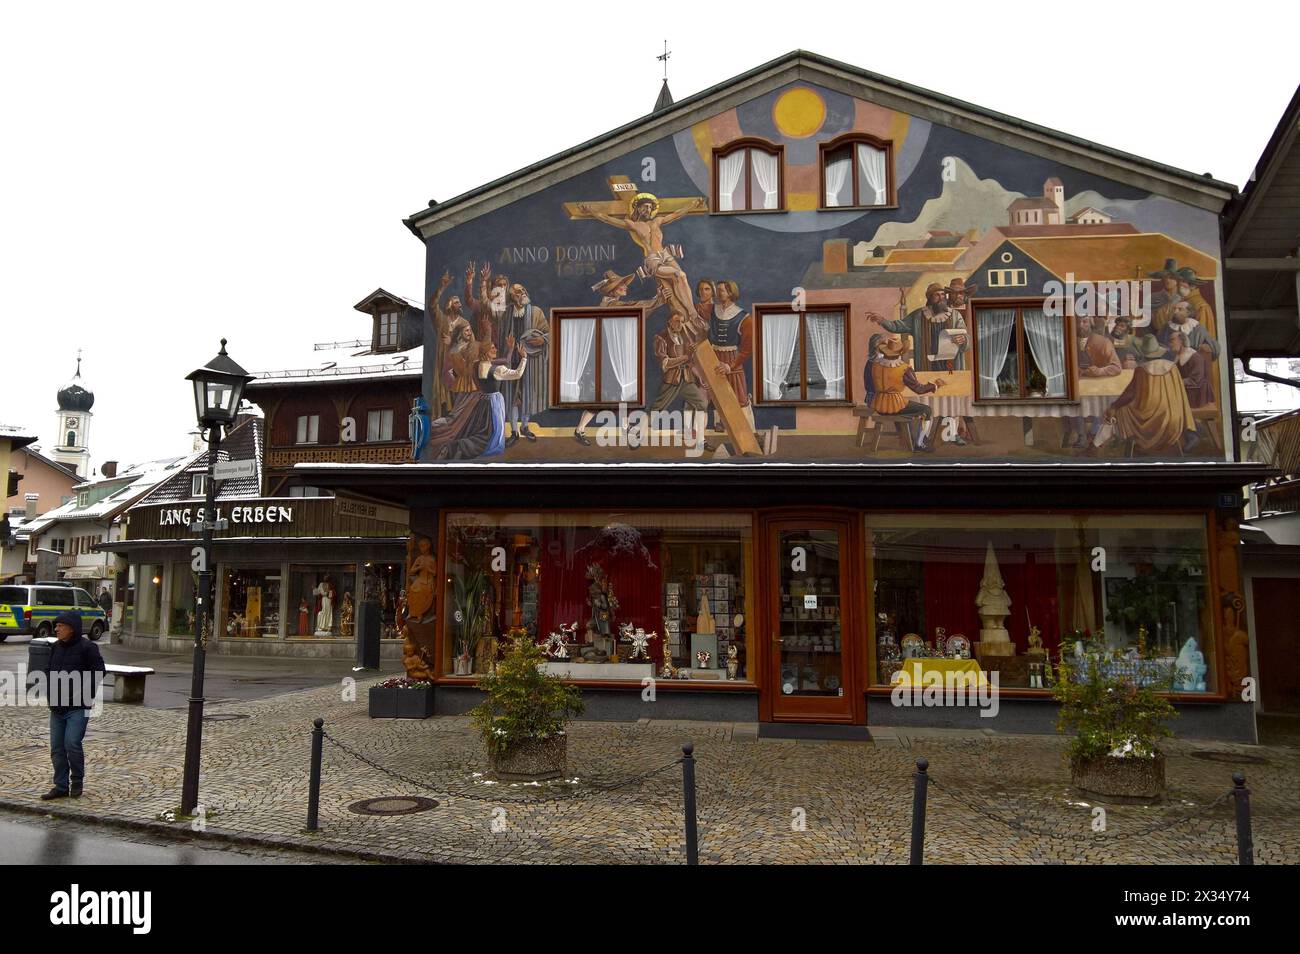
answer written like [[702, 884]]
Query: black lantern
[[218, 389]]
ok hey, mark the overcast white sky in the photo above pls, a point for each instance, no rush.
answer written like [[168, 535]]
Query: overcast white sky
[[175, 173]]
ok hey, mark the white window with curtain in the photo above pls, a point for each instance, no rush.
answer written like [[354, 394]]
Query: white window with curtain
[[601, 356], [308, 429], [1021, 354], [801, 355], [856, 175], [747, 179], [379, 425]]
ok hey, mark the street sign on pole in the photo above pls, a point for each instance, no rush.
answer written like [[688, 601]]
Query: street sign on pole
[[230, 469]]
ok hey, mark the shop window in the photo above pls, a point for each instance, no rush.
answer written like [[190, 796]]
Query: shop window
[[183, 587], [601, 357], [308, 428], [801, 356], [379, 425], [148, 597], [250, 602], [382, 583], [857, 172], [1020, 353], [749, 176], [600, 586], [1136, 585], [321, 601]]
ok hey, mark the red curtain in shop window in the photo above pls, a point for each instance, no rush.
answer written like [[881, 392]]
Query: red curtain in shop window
[[631, 564], [951, 587]]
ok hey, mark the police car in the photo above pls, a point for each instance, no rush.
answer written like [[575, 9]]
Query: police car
[[31, 610]]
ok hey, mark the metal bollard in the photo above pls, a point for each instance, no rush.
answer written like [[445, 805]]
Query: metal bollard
[[1241, 795], [688, 791], [920, 784], [313, 791]]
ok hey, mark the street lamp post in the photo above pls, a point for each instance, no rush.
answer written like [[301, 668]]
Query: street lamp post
[[218, 389]]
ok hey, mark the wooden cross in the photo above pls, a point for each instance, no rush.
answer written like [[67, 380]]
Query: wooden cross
[[624, 189]]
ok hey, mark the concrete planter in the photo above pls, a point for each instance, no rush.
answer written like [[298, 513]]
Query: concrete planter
[[396, 703], [1117, 779], [533, 760]]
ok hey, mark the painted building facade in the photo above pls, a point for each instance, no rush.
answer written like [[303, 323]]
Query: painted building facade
[[774, 394]]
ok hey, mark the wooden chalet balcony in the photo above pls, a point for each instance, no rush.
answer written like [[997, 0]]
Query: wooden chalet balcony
[[1278, 444], [396, 452]]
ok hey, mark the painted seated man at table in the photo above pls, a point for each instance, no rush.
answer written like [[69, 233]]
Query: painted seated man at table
[[890, 374]]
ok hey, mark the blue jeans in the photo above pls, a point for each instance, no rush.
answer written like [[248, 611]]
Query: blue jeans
[[67, 729]]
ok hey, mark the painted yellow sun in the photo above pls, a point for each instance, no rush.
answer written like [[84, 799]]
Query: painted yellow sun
[[799, 112]]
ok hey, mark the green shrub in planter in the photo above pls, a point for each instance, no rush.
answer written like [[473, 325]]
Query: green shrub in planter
[[523, 716], [1117, 722]]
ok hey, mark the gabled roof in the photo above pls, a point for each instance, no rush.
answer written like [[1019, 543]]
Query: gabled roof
[[1111, 257], [244, 442], [65, 470], [382, 295], [801, 65]]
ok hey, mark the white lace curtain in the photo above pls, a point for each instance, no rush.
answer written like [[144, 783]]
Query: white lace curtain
[[766, 171], [994, 327], [576, 340], [780, 335], [837, 176], [826, 344], [730, 168], [1047, 344], [620, 341], [874, 190]]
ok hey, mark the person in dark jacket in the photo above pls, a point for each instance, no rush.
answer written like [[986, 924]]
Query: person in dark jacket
[[106, 604], [76, 671]]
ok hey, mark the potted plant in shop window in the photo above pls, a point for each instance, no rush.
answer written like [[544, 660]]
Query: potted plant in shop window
[[401, 698], [470, 615], [1118, 719], [523, 716]]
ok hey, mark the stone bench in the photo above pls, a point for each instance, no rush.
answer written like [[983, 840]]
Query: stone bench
[[128, 682]]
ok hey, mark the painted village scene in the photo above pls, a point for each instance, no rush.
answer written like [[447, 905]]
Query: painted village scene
[[812, 276]]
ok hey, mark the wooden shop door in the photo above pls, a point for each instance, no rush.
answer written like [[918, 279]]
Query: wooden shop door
[[812, 671]]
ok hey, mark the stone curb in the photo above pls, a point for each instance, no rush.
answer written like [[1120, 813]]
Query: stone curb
[[169, 831]]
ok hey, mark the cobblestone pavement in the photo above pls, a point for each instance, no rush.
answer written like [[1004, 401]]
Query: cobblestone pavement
[[851, 799]]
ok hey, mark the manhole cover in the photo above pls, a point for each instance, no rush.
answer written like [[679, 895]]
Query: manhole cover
[[393, 805], [224, 716], [1232, 758]]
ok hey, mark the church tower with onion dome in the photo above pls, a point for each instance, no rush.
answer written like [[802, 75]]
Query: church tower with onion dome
[[72, 444]]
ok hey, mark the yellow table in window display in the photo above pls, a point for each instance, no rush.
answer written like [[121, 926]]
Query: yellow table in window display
[[939, 672]]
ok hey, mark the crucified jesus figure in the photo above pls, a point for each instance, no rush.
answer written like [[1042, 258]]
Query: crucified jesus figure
[[644, 223]]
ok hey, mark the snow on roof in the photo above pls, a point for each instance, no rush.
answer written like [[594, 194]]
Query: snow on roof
[[343, 365]]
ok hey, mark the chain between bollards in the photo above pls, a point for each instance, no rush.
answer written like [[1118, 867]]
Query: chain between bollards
[[1241, 795], [920, 784], [688, 790], [313, 792]]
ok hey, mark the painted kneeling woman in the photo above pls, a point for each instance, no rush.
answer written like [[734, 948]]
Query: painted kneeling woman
[[476, 427]]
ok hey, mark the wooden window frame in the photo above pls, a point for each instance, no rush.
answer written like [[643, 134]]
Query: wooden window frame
[[825, 149], [1071, 374], [559, 316], [391, 418], [783, 308], [309, 441], [396, 331], [749, 142]]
